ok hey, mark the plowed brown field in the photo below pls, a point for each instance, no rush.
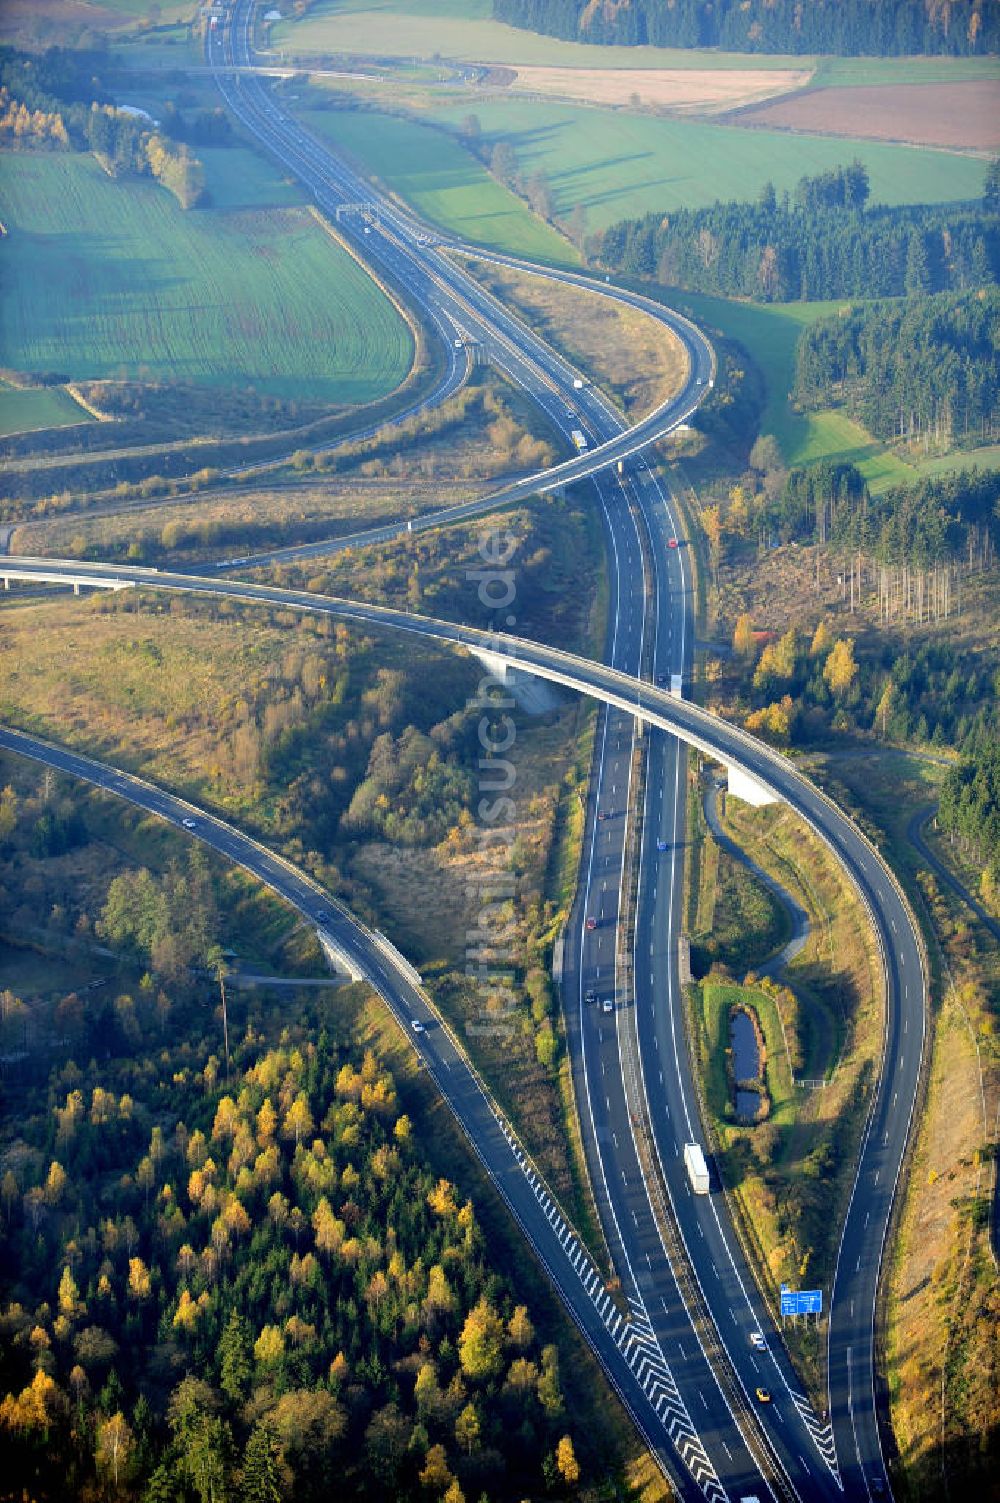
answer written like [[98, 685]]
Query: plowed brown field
[[959, 115]]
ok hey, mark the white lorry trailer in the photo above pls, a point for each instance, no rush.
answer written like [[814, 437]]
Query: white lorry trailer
[[694, 1163]]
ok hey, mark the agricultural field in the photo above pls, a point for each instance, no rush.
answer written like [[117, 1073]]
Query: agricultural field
[[56, 22], [961, 115], [26, 409], [465, 29], [443, 182], [621, 165], [110, 278], [686, 90], [851, 72]]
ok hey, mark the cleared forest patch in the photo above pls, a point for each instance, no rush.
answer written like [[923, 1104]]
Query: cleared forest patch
[[964, 115]]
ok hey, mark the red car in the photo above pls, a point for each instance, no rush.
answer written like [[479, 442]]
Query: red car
[[672, 543], [591, 923]]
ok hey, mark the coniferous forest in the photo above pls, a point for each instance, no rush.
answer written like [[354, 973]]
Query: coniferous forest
[[926, 366], [881, 28], [248, 1284], [823, 241]]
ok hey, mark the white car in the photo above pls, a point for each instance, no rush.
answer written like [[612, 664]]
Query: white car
[[416, 1025], [757, 1341], [607, 1005], [189, 824]]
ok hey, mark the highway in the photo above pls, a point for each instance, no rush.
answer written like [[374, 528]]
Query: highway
[[709, 1240], [683, 1362], [851, 1329], [404, 254], [619, 1335]]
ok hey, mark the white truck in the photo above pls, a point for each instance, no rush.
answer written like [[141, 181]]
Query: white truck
[[677, 685], [579, 438], [694, 1163]]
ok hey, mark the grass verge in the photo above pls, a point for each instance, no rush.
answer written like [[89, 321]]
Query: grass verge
[[637, 361]]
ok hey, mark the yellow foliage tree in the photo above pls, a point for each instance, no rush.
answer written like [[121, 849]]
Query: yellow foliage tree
[[69, 1295], [269, 1346], [113, 1446], [442, 1198], [744, 641], [821, 641], [481, 1342], [139, 1283], [435, 1472], [566, 1462], [840, 669]]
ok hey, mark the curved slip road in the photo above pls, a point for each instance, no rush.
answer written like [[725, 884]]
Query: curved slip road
[[797, 916]]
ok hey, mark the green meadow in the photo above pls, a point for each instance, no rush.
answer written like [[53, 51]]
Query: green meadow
[[770, 332], [110, 278], [442, 181], [26, 409], [621, 165]]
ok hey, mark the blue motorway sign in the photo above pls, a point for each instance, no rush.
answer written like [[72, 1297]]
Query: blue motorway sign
[[801, 1301]]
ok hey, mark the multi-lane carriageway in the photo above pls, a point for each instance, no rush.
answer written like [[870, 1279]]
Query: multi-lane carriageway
[[652, 1358], [704, 1433]]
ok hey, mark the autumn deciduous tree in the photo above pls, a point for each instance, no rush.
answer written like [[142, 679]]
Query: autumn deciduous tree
[[744, 641], [298, 1119], [566, 1462], [468, 1429], [435, 1473], [822, 640], [69, 1295], [480, 1346], [113, 1447], [520, 1329], [840, 669]]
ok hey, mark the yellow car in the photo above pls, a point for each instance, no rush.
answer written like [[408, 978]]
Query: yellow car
[[763, 1397]]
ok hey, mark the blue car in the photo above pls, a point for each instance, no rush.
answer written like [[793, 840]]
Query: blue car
[[661, 845]]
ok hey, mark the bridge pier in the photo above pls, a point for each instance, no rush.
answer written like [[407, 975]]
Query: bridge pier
[[743, 785]]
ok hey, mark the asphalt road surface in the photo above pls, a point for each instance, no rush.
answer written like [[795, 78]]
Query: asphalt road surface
[[851, 1340], [682, 1361]]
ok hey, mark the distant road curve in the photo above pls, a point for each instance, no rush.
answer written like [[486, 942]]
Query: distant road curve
[[915, 835]]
